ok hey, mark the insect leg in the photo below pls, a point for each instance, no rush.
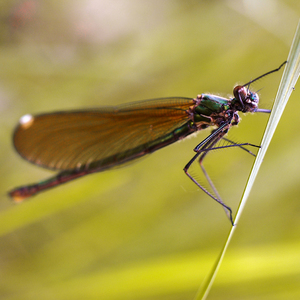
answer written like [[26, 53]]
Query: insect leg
[[201, 158], [241, 145], [202, 149]]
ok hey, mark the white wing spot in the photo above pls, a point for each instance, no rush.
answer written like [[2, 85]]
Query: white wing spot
[[26, 121]]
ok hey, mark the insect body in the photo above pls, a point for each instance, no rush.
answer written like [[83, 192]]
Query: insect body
[[77, 143]]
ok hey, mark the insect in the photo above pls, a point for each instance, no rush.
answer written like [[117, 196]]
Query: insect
[[77, 143]]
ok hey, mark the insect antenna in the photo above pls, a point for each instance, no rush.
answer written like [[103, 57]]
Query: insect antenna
[[261, 76]]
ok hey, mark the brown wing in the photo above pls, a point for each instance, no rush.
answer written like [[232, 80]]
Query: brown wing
[[68, 140]]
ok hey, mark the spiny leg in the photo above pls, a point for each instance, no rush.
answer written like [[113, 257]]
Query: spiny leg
[[211, 147], [201, 158], [241, 145], [227, 208], [237, 145], [231, 146], [203, 149]]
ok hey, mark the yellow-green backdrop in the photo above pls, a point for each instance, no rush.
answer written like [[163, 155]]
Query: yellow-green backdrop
[[145, 231]]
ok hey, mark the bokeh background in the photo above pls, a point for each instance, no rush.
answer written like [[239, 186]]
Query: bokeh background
[[145, 231]]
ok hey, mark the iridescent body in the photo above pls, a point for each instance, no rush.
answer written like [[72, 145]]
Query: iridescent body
[[78, 143]]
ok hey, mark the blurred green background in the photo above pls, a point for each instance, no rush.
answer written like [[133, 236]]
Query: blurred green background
[[145, 231]]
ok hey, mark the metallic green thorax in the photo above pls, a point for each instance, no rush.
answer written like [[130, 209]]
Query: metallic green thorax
[[209, 110], [212, 110]]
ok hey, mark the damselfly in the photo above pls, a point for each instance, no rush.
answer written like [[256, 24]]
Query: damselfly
[[82, 142]]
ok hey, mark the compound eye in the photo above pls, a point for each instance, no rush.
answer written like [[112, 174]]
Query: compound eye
[[254, 97], [240, 92]]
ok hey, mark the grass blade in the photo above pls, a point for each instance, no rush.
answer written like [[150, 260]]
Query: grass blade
[[288, 81]]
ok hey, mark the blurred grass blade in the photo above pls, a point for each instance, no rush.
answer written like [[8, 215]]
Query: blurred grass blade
[[288, 81]]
